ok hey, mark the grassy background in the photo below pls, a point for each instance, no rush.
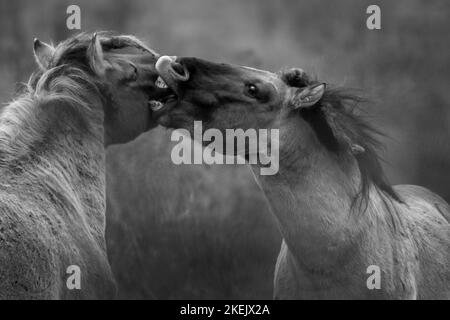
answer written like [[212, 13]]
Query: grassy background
[[205, 231]]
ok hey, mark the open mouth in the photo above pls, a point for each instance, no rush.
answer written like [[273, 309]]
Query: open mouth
[[169, 98], [171, 74]]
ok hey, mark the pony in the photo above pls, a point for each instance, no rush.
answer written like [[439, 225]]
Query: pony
[[91, 91], [347, 233]]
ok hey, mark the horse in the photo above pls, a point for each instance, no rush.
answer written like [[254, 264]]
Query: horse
[[347, 233], [91, 91]]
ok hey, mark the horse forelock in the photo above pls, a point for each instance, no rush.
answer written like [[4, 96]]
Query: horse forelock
[[75, 49], [67, 84]]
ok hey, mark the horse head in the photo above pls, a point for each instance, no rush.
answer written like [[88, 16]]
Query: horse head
[[228, 96]]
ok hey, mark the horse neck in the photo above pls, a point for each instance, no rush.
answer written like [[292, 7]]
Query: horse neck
[[59, 150], [312, 196]]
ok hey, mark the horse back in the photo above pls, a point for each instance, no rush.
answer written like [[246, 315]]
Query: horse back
[[428, 219], [417, 194]]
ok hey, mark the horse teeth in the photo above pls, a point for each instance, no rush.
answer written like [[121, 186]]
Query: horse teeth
[[160, 83], [156, 105]]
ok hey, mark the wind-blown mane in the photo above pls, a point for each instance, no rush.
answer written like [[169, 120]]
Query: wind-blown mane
[[63, 86], [60, 100], [342, 130], [66, 87]]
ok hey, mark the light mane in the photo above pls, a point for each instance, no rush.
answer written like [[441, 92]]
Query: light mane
[[64, 86], [31, 151]]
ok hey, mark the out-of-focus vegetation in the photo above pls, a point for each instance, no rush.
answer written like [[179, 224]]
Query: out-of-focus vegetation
[[206, 232]]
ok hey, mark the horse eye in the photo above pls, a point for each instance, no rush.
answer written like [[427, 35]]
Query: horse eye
[[252, 90]]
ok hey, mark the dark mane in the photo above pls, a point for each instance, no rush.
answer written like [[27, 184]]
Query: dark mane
[[343, 131]]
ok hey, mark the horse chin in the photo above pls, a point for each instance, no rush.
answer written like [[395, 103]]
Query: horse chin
[[163, 105], [151, 122]]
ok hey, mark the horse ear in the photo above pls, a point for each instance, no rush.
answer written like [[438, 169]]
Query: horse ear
[[308, 96], [43, 54], [95, 56]]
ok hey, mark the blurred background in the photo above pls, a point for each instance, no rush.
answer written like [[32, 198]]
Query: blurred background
[[197, 231]]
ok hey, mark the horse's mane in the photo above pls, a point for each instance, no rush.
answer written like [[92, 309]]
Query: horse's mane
[[338, 122], [339, 110], [65, 87]]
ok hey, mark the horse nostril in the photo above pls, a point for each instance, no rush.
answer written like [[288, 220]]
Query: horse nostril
[[180, 71], [178, 68]]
